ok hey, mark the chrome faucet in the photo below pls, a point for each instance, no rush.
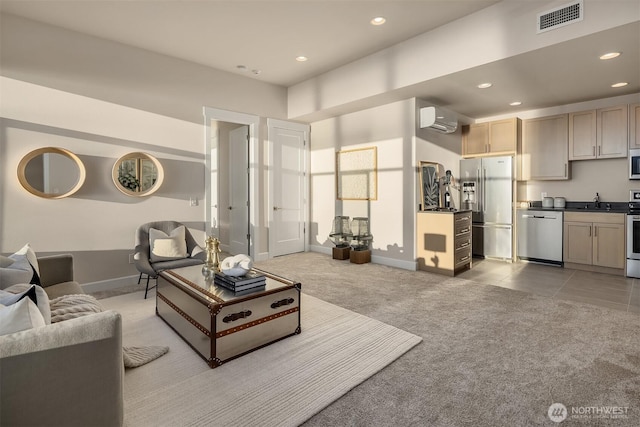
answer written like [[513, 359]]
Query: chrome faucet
[[596, 200]]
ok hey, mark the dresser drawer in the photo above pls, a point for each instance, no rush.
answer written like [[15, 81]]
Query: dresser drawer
[[462, 230], [463, 218], [462, 242], [462, 257]]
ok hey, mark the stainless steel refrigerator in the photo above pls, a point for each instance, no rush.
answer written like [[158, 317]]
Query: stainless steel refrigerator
[[487, 189]]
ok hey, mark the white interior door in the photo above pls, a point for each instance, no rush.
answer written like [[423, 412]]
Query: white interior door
[[287, 185], [239, 190]]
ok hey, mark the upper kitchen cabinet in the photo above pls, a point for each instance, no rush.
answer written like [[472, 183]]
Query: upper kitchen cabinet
[[491, 138], [598, 134], [634, 126], [545, 148]]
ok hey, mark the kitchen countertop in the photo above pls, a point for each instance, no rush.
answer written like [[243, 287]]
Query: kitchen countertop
[[446, 211], [614, 207]]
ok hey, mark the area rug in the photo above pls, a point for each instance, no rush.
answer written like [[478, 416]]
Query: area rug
[[135, 357], [283, 384]]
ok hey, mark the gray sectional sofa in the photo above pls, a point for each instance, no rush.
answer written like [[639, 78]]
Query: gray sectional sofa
[[68, 373]]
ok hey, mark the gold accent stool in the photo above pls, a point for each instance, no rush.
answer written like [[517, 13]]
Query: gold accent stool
[[212, 264]]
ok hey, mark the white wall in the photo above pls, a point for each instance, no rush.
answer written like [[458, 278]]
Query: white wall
[[391, 128], [98, 216], [102, 99]]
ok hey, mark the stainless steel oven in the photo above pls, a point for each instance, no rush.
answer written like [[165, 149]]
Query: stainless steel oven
[[633, 235], [634, 163]]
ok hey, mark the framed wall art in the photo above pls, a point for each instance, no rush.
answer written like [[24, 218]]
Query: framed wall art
[[357, 174], [430, 174]]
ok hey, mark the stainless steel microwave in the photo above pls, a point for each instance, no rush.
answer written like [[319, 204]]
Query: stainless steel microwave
[[634, 163]]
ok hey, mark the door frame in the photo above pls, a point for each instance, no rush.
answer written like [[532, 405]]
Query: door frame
[[254, 185], [242, 177], [275, 123]]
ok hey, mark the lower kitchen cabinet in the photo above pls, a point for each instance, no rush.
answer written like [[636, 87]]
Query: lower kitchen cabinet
[[444, 241], [578, 242], [596, 240]]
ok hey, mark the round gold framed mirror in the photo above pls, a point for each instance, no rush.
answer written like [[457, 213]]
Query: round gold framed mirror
[[137, 174], [51, 172]]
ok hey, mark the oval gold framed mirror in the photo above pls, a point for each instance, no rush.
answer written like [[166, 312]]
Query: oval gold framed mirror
[[51, 172], [137, 174]]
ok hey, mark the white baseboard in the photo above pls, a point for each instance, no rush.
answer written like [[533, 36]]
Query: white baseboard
[[104, 285], [376, 259], [262, 256], [392, 262], [322, 249]]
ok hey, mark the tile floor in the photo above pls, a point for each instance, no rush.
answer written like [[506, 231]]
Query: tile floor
[[616, 292]]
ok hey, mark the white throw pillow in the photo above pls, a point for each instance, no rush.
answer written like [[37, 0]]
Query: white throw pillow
[[41, 297], [31, 256], [20, 271], [20, 316], [165, 247], [5, 261]]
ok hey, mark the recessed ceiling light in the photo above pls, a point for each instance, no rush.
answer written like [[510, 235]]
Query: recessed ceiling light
[[610, 55], [256, 71], [515, 103], [484, 85], [621, 84], [378, 20], [301, 58], [242, 67]]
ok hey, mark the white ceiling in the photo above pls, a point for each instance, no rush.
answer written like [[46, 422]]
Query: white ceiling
[[267, 36]]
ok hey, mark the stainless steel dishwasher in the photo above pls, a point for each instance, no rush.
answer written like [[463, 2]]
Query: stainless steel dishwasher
[[539, 235]]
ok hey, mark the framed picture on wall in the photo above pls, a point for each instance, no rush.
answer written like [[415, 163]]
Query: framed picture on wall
[[357, 174], [430, 174]]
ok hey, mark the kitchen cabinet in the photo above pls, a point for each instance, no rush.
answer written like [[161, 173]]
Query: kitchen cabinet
[[598, 134], [545, 148], [475, 139], [491, 138], [634, 126], [594, 239], [444, 241]]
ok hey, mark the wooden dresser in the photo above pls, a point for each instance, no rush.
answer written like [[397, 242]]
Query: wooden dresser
[[444, 241]]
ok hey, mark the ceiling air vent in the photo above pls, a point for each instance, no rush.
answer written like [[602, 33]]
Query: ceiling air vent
[[560, 16]]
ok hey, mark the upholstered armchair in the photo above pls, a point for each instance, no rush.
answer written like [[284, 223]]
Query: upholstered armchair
[[160, 246]]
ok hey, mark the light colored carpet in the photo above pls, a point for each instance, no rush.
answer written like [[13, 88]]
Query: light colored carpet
[[283, 384], [490, 356]]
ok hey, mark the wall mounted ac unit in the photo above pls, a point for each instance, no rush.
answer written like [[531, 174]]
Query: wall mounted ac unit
[[439, 119]]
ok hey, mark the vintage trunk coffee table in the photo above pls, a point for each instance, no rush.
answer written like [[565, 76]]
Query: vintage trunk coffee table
[[220, 325]]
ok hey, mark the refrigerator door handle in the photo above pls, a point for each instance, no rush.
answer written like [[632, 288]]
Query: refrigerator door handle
[[484, 187], [480, 195]]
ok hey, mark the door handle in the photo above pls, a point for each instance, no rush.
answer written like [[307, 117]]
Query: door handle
[[484, 187], [230, 207], [275, 208]]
